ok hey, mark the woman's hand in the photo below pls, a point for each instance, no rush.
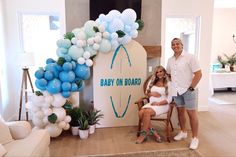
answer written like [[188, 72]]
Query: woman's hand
[[155, 104]]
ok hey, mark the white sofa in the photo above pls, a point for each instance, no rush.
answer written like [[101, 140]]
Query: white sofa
[[17, 139]]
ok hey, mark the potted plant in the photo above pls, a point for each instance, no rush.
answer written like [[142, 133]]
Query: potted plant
[[83, 126], [93, 116], [231, 60], [75, 114]]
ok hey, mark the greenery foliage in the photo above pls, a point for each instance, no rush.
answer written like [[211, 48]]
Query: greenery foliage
[[227, 59], [83, 122], [75, 114], [93, 116]]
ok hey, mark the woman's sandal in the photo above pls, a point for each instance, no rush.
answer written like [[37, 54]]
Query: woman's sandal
[[156, 135], [142, 137]]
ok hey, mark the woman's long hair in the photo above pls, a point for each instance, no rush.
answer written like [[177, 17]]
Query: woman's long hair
[[154, 79]]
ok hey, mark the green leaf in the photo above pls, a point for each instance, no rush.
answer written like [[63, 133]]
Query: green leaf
[[141, 24], [120, 33], [95, 28], [69, 35], [38, 93], [61, 61], [52, 118], [79, 83]]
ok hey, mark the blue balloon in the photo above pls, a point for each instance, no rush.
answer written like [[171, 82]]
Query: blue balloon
[[67, 76], [74, 87], [48, 75], [67, 66], [38, 86], [52, 67], [73, 64], [82, 71], [39, 74], [50, 60], [59, 68], [54, 86], [66, 86], [66, 94], [42, 82]]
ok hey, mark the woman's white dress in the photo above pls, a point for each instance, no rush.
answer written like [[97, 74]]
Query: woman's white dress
[[158, 109]]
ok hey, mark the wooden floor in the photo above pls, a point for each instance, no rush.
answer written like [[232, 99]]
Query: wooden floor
[[217, 138]]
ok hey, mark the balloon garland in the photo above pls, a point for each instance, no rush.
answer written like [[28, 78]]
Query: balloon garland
[[62, 77]]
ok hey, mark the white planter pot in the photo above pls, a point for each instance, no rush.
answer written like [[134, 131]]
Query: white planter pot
[[75, 130], [83, 134], [92, 128]]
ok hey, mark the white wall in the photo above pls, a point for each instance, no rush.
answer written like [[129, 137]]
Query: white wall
[[12, 72], [194, 8], [224, 24]]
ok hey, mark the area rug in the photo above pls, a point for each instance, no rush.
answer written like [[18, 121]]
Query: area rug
[[183, 152]]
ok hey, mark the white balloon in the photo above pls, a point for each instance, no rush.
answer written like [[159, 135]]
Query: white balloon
[[134, 34], [61, 124], [37, 121], [34, 108], [96, 46], [37, 100], [81, 60], [74, 40], [53, 130], [60, 112], [45, 105], [45, 120], [67, 119], [97, 39], [89, 62], [98, 34], [67, 127], [79, 43], [81, 35], [90, 41], [59, 100], [106, 35], [115, 13], [39, 114], [48, 111], [101, 28], [49, 99], [114, 36], [86, 55], [46, 93]]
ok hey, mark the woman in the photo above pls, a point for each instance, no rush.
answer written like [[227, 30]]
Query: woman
[[158, 92]]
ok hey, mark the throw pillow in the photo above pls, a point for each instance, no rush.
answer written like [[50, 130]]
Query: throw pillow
[[3, 151], [5, 135]]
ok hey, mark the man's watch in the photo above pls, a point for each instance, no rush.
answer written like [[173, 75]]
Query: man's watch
[[191, 89]]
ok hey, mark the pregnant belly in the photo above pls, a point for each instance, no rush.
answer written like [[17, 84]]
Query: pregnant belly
[[154, 99]]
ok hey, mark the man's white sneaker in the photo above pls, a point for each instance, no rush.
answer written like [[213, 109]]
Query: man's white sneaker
[[181, 135], [194, 143]]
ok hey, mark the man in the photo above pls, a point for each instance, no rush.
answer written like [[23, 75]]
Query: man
[[185, 74]]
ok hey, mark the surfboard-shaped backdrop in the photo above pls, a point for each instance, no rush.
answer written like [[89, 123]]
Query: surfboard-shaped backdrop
[[117, 79]]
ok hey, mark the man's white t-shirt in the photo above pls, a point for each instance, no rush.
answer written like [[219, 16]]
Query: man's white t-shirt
[[182, 71]]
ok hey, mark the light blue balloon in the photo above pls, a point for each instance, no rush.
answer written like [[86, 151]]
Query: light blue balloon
[[60, 54], [105, 46], [62, 50], [67, 66], [42, 82], [116, 25], [54, 86], [66, 94], [74, 87], [48, 75], [88, 28], [115, 13], [68, 58], [50, 60], [82, 71], [38, 86], [52, 67], [73, 64], [59, 42], [39, 74], [91, 50], [67, 76], [66, 43], [66, 86], [75, 52], [59, 68]]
